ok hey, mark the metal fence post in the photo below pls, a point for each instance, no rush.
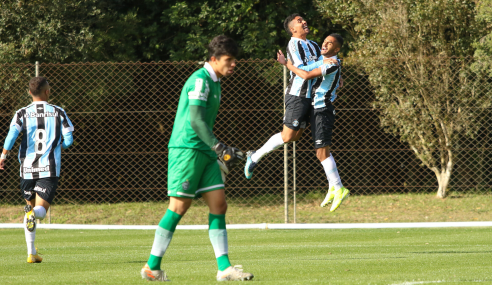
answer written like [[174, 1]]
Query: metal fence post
[[36, 73], [286, 164]]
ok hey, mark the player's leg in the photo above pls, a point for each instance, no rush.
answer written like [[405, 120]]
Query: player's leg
[[322, 124], [39, 194], [184, 173], [212, 191], [296, 117]]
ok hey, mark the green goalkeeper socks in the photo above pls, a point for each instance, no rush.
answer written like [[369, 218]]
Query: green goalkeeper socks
[[163, 236], [218, 236]]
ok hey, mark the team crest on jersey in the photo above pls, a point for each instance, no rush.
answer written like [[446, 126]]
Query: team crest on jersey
[[295, 123], [185, 185]]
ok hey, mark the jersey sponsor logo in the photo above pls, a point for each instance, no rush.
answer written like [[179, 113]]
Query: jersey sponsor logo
[[36, 169], [309, 59], [319, 142], [40, 115], [185, 185], [39, 189], [295, 123], [197, 94]]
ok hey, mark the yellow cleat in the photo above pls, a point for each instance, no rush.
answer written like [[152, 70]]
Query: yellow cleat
[[329, 197], [340, 195], [34, 258]]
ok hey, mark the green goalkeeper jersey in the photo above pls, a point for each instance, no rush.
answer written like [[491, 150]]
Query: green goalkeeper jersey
[[201, 90]]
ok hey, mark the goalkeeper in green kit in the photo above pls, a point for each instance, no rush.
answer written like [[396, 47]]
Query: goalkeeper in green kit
[[197, 160]]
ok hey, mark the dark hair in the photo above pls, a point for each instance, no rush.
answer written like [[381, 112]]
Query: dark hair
[[37, 85], [287, 22], [338, 38], [222, 45]]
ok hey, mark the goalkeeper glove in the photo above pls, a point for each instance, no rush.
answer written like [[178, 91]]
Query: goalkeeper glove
[[230, 156]]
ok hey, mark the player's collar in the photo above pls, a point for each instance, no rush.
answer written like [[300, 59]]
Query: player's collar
[[211, 71], [39, 102], [298, 39]]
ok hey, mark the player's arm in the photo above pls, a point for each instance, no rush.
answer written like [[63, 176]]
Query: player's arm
[[203, 131], [14, 131], [305, 72], [67, 130]]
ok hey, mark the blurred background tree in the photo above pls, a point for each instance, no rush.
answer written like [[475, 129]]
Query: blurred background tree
[[417, 56], [146, 30]]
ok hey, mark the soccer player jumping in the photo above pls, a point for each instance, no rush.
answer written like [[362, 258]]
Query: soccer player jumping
[[193, 170], [42, 126], [299, 107], [323, 112]]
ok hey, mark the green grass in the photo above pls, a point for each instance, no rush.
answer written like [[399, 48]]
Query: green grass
[[357, 209], [377, 256]]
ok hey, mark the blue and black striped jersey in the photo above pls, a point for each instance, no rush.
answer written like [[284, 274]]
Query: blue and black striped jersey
[[324, 88], [301, 53], [42, 126]]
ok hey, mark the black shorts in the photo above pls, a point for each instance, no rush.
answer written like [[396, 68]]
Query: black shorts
[[322, 124], [297, 111], [44, 187]]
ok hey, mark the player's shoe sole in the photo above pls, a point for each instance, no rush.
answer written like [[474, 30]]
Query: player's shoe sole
[[250, 165], [153, 275], [340, 195], [329, 197], [34, 258], [234, 273], [30, 218]]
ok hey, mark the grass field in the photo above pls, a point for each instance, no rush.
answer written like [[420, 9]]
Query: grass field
[[379, 256], [357, 209]]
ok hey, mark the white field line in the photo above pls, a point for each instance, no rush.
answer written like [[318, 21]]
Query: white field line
[[263, 226]]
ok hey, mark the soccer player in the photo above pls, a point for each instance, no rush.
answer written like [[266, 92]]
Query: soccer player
[[301, 52], [45, 129], [193, 169], [325, 84]]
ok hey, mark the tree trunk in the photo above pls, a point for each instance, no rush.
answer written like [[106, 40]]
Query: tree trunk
[[443, 180]]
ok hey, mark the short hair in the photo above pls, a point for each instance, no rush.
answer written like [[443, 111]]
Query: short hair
[[338, 38], [37, 85], [287, 22], [222, 45]]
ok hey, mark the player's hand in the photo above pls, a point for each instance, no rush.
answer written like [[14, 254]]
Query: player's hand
[[230, 156], [330, 61], [281, 58], [340, 83], [2, 164]]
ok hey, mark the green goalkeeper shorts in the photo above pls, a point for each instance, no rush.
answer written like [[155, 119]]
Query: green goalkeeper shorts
[[192, 172]]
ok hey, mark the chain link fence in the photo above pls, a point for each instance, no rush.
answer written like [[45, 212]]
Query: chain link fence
[[123, 115]]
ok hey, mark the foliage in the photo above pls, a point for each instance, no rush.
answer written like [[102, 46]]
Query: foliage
[[426, 96], [147, 30], [484, 44], [46, 30]]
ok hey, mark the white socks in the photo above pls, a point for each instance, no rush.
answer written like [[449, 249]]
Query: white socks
[[39, 212], [332, 173], [30, 236], [273, 143]]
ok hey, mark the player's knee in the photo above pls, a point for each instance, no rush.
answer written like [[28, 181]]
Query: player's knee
[[288, 137]]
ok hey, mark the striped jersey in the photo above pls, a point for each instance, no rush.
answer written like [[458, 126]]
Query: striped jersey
[[323, 90], [42, 126], [301, 53]]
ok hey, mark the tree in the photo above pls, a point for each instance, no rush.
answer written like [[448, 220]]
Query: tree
[[145, 30], [46, 30], [416, 54]]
